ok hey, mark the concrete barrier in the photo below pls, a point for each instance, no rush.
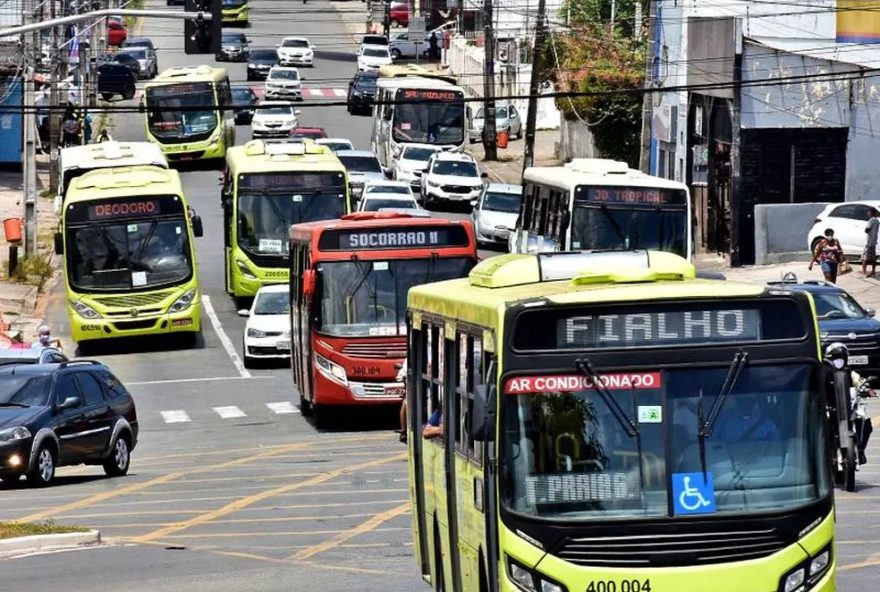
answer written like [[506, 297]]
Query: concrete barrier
[[781, 231]]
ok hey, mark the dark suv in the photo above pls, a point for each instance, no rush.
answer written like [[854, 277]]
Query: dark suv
[[116, 79], [362, 93], [63, 414]]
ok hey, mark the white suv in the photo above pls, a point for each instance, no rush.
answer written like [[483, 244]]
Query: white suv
[[295, 51], [451, 177], [283, 83]]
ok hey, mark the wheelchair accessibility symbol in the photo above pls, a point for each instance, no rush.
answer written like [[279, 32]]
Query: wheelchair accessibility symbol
[[693, 493]]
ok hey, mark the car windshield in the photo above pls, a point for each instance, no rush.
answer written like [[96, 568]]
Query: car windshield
[[284, 75], [375, 204], [263, 55], [395, 189], [502, 202], [375, 40], [138, 53], [627, 228], [269, 203], [837, 305], [234, 38], [275, 111], [367, 82], [423, 119], [139, 43], [181, 111], [375, 52], [567, 457], [500, 113], [230, 3], [367, 298], [243, 95], [456, 168], [334, 146], [361, 164], [23, 390], [272, 303], [134, 254], [295, 43], [416, 153]]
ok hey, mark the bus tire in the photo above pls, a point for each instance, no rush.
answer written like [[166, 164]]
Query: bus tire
[[484, 577], [319, 416], [305, 408]]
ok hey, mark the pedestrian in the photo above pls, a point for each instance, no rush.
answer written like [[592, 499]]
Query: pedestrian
[[432, 42], [87, 128], [44, 339], [869, 255], [70, 129], [829, 254]]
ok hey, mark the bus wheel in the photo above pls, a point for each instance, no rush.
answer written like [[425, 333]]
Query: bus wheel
[[305, 408]]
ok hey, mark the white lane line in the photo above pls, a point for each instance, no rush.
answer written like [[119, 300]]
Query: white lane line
[[211, 379], [175, 416], [224, 338], [340, 92], [282, 407], [230, 412]]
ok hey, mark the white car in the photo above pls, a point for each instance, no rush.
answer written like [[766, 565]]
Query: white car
[[388, 187], [848, 220], [335, 144], [295, 51], [267, 331], [283, 83], [375, 202], [372, 57], [451, 177], [274, 118], [402, 47], [495, 213], [411, 163]]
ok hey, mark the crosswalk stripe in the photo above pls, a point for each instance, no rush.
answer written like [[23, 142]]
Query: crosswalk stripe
[[312, 92], [175, 416], [229, 412], [282, 407]]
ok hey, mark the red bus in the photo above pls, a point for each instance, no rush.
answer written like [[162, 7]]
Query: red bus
[[349, 280]]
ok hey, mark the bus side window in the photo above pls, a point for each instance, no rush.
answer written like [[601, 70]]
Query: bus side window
[[558, 216], [470, 362]]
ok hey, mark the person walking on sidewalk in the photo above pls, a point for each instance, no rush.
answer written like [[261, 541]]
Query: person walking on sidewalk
[[869, 255], [829, 254]]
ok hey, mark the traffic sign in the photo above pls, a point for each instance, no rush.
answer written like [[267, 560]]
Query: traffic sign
[[378, 11], [416, 29]]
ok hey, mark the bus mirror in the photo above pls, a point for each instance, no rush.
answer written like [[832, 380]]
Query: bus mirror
[[308, 282], [198, 229], [59, 244], [483, 424]]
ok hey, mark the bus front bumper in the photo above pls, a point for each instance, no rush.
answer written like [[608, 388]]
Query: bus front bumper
[[211, 148], [329, 391], [186, 321]]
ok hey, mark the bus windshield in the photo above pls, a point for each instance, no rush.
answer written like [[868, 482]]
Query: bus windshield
[[427, 120], [625, 228], [368, 298], [177, 111], [568, 458], [128, 254]]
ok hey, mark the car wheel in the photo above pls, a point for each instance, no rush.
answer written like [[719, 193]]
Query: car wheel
[[249, 77], [128, 95], [519, 133], [247, 360], [107, 96], [116, 465], [43, 471], [395, 53]]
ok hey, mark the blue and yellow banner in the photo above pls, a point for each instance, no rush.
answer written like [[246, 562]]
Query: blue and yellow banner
[[858, 21]]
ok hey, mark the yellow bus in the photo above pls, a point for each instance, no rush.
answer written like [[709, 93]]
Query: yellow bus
[[610, 423], [189, 112], [235, 12], [129, 261], [267, 187]]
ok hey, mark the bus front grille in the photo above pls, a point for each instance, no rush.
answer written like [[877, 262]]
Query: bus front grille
[[382, 351], [133, 300], [668, 550]]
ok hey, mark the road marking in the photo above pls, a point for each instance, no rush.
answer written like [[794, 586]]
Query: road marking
[[175, 416], [211, 379], [282, 407], [229, 412], [340, 92], [274, 533], [344, 536], [250, 500], [224, 338]]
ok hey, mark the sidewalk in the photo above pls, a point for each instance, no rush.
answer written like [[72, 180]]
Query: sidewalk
[[508, 167]]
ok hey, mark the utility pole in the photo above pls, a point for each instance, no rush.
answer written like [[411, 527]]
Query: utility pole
[[490, 147], [30, 45], [56, 55], [648, 97], [532, 112], [386, 20]]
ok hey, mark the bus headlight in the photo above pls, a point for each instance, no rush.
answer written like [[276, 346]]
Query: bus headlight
[[820, 563], [184, 302], [529, 580], [807, 574], [331, 370], [84, 310], [245, 270]]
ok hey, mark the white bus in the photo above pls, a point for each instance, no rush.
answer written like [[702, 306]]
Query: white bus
[[595, 204], [416, 106]]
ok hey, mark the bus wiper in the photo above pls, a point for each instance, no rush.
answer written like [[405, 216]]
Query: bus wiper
[[615, 224], [736, 365], [586, 368], [11, 404]]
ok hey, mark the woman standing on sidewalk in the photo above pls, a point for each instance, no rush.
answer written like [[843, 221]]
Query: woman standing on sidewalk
[[829, 254]]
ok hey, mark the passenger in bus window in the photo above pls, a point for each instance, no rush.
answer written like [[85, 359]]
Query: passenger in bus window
[[434, 427]]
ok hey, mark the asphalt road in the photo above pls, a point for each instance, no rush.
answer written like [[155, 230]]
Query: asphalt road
[[230, 488]]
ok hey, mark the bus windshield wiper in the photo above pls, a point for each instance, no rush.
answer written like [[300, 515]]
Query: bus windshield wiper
[[586, 368], [615, 224], [12, 404], [733, 371]]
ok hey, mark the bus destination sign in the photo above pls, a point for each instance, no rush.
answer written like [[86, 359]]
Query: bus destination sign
[[421, 237], [412, 94], [637, 195], [127, 208], [292, 181]]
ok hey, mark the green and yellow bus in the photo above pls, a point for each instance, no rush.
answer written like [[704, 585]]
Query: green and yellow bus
[[129, 261], [235, 12], [611, 423], [267, 187], [189, 112]]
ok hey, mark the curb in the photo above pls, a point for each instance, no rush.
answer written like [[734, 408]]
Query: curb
[[48, 542]]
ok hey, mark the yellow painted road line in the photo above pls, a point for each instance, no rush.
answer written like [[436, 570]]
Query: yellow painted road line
[[370, 525], [104, 496], [245, 502], [268, 533], [325, 518]]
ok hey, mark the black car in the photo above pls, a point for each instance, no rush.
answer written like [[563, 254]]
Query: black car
[[63, 414], [843, 320], [243, 101], [362, 93], [233, 47], [116, 79], [43, 355], [259, 63]]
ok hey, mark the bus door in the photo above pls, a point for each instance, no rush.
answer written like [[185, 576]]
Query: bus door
[[227, 114], [384, 115], [226, 202], [300, 329]]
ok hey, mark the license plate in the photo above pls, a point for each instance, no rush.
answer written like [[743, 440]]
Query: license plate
[[858, 360], [283, 345], [395, 391]]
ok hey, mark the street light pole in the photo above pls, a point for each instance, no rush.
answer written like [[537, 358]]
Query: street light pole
[[490, 146]]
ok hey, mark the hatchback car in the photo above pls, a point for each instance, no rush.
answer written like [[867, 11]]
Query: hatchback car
[[267, 331], [295, 51], [273, 118], [371, 39], [260, 61], [335, 144], [116, 79], [848, 220], [373, 57], [244, 100], [375, 202], [506, 119], [411, 164], [116, 31], [451, 177], [123, 59], [233, 47], [362, 93], [495, 213], [363, 167], [283, 83], [388, 188], [70, 413], [842, 319]]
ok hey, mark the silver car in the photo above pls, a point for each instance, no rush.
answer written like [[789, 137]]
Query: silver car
[[507, 119], [495, 213], [363, 167]]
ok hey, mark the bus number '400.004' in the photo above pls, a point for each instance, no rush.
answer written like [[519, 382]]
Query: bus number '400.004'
[[621, 586]]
